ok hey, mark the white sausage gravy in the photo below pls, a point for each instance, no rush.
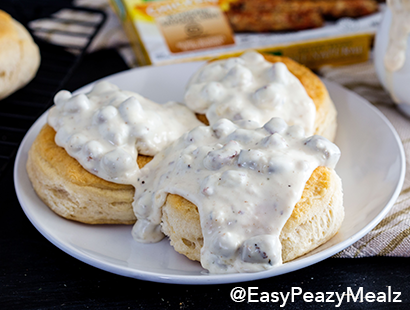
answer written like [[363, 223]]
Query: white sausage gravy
[[244, 177], [249, 87], [245, 181], [105, 129]]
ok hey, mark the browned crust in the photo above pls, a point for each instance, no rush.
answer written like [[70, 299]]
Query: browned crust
[[19, 55], [202, 118], [315, 188], [7, 29]]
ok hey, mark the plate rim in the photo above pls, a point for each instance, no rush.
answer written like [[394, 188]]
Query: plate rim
[[212, 278]]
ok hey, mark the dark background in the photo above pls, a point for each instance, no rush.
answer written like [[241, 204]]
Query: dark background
[[34, 274]]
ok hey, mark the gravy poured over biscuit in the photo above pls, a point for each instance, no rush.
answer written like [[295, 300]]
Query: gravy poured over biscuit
[[107, 128], [245, 181], [250, 87]]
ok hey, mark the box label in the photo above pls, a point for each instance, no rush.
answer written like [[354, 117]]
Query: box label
[[189, 25]]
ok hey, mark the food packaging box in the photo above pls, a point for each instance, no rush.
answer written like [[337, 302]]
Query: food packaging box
[[174, 31]]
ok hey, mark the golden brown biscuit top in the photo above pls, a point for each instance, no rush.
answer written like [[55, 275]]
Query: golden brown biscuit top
[[7, 29], [318, 183]]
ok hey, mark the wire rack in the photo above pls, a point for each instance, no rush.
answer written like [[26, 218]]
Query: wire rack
[[58, 61]]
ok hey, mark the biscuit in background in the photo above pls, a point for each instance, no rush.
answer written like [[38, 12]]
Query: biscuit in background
[[19, 55]]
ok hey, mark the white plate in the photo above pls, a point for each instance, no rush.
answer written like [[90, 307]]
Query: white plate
[[371, 167]]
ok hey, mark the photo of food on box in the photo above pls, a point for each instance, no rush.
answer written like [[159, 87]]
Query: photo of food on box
[[312, 32]]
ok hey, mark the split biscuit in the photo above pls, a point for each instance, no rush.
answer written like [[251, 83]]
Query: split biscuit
[[71, 191]]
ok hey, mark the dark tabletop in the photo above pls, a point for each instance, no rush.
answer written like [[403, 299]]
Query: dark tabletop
[[34, 274]]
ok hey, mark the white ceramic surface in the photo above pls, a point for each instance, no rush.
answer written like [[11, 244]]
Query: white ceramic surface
[[371, 167], [397, 83]]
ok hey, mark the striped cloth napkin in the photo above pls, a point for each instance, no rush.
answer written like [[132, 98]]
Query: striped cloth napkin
[[391, 237]]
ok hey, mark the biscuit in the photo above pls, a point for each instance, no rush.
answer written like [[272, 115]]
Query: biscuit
[[19, 56], [315, 219], [71, 191]]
